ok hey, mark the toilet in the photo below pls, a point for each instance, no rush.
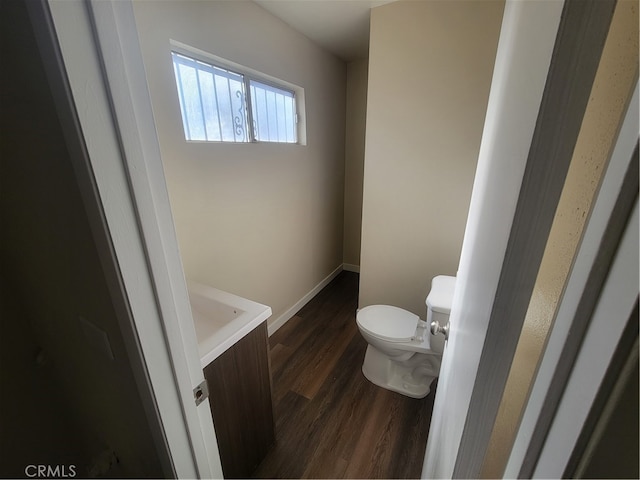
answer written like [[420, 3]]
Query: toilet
[[403, 355]]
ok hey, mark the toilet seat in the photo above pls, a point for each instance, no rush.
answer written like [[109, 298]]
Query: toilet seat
[[388, 323]]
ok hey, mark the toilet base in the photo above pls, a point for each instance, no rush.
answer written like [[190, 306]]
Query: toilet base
[[412, 377]]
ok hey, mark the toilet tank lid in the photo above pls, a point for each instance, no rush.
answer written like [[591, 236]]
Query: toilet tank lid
[[440, 297]]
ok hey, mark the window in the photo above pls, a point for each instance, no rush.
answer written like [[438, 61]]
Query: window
[[221, 105], [274, 113]]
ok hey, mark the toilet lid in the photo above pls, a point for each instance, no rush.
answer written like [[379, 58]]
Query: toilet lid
[[388, 323]]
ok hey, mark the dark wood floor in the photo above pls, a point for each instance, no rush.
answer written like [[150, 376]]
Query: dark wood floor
[[331, 422]]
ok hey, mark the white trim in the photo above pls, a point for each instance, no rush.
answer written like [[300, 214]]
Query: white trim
[[351, 268], [286, 316], [127, 86], [124, 156]]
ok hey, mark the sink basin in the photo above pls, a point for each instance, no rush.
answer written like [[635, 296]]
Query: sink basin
[[221, 319]]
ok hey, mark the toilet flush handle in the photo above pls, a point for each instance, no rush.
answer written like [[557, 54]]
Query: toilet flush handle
[[436, 329]]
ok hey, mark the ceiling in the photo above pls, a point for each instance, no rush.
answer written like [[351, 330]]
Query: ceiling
[[339, 26]]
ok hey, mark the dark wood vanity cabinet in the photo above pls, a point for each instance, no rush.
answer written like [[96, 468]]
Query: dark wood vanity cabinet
[[239, 383]]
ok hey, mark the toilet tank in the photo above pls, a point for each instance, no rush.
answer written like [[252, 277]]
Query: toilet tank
[[439, 303]]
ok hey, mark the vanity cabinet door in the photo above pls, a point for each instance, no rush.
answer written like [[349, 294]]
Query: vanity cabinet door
[[240, 397]]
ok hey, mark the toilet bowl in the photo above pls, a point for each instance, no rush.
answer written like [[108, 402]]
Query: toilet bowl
[[403, 355]]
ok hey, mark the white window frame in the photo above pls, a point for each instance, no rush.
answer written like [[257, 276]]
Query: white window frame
[[249, 75]]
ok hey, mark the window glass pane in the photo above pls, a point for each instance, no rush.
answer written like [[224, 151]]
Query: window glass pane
[[224, 108], [212, 101], [280, 117], [273, 116], [259, 111], [193, 109], [290, 119], [180, 99], [210, 106], [273, 113], [237, 106], [213, 105]]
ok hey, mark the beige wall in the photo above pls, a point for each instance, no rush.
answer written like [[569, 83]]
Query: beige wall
[[63, 402], [354, 158], [616, 76], [430, 68], [263, 221]]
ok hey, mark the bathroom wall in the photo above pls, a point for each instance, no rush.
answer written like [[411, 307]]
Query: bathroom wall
[[430, 68], [616, 76], [356, 116], [264, 221], [63, 401]]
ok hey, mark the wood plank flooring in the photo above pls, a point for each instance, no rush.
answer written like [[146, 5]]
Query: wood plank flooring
[[331, 422]]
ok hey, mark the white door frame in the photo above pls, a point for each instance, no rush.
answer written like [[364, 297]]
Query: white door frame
[[119, 170]]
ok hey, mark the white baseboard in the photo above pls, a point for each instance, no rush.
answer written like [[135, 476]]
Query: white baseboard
[[286, 316], [351, 268]]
